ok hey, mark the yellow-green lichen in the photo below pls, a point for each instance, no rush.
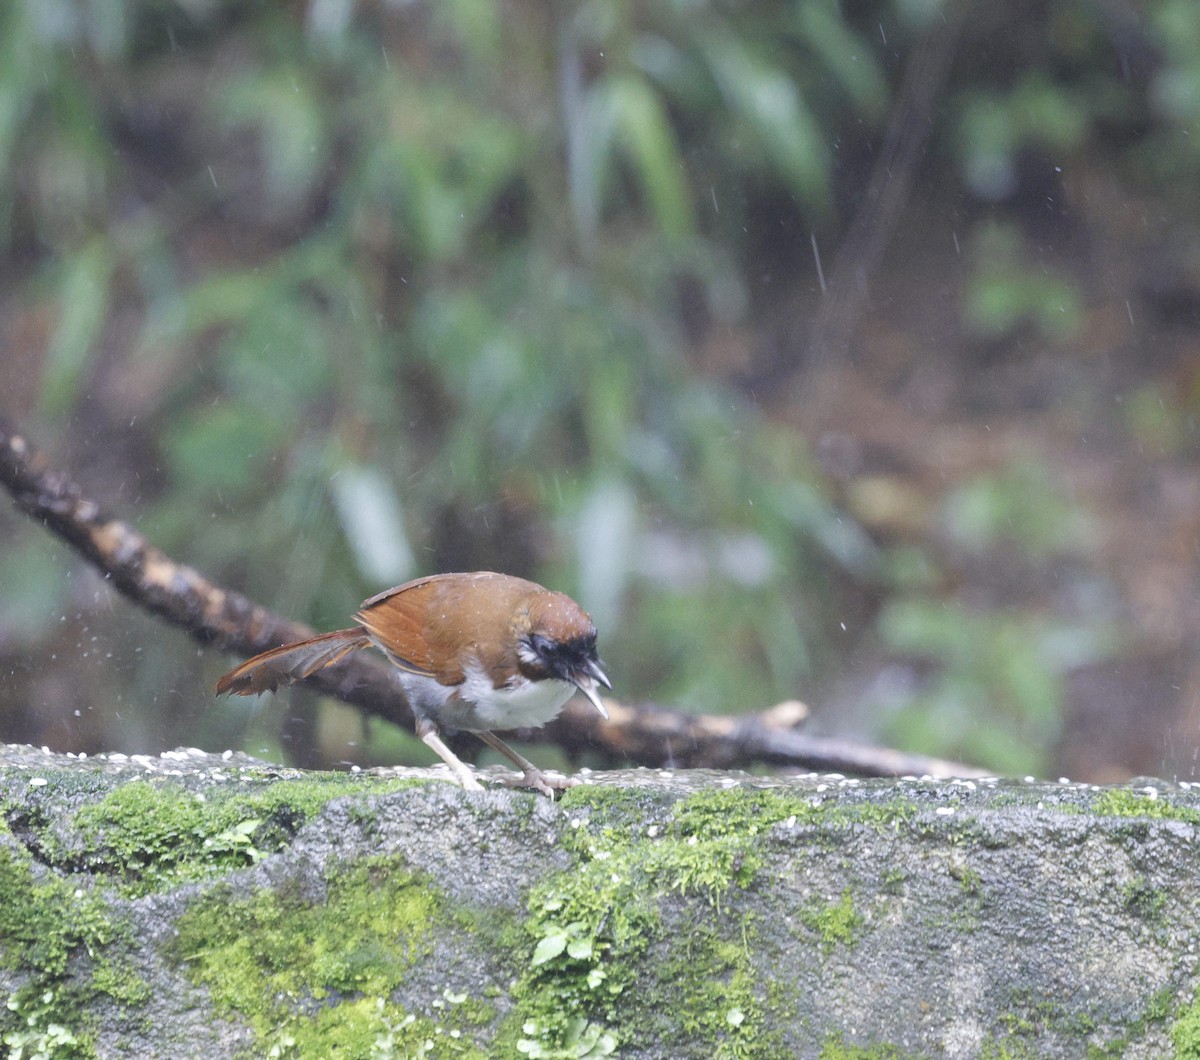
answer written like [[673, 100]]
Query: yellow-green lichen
[[44, 925], [153, 833], [1185, 1032], [836, 1049], [314, 976], [835, 923], [592, 926], [370, 1029], [1121, 802]]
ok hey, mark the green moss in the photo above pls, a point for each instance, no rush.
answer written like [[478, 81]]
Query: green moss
[[614, 797], [712, 989], [968, 878], [1185, 1033], [835, 923], [366, 1028], [1121, 802], [588, 928], [1158, 1009], [1143, 900], [1031, 1015], [750, 811], [1007, 1050], [591, 926], [835, 1049], [154, 833], [44, 926], [312, 977]]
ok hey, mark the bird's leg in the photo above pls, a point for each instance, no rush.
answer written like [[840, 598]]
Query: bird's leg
[[429, 735], [532, 776]]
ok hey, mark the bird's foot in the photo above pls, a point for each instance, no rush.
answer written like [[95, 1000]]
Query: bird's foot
[[536, 779]]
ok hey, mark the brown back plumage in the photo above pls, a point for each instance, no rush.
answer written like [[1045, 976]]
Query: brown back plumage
[[423, 625]]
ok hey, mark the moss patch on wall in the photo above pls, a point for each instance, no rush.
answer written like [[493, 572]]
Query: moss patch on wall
[[1121, 802], [45, 924], [605, 967], [712, 916], [314, 976], [835, 923], [150, 834]]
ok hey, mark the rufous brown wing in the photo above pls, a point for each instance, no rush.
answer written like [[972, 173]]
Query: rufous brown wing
[[290, 663]]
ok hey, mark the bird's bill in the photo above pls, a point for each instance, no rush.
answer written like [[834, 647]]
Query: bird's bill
[[587, 685], [592, 669]]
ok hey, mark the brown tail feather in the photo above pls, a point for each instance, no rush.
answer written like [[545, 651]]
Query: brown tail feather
[[292, 662]]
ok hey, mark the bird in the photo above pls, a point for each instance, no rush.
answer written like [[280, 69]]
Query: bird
[[472, 652]]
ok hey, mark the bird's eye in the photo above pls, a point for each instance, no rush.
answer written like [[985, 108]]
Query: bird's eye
[[542, 650]]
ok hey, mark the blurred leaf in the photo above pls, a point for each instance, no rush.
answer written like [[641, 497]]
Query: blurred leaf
[[1021, 505], [374, 522], [1156, 419], [603, 546], [995, 127], [1177, 91], [608, 408], [919, 13], [106, 26], [36, 584], [220, 447], [277, 354], [668, 63], [638, 115], [803, 506], [476, 24], [1005, 293], [443, 165], [22, 51], [84, 303], [997, 694], [281, 106], [922, 627], [849, 59], [1049, 115], [771, 108], [988, 148]]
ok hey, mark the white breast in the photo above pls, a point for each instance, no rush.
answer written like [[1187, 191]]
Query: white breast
[[477, 706], [524, 704]]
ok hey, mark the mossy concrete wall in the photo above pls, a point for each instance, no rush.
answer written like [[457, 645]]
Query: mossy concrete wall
[[195, 905]]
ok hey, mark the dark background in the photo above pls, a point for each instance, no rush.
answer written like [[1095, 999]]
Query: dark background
[[847, 354]]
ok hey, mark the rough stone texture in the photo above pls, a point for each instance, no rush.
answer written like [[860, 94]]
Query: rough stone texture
[[201, 905]]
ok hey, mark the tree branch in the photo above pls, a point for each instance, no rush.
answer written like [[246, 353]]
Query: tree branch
[[647, 734]]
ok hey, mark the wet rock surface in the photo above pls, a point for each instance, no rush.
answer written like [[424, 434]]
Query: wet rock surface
[[199, 904]]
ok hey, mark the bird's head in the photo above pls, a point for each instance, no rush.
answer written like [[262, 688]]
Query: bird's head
[[559, 641]]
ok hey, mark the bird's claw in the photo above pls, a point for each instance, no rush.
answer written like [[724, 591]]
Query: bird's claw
[[536, 779]]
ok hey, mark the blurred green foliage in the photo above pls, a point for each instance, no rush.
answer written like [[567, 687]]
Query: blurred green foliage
[[994, 680], [997, 692], [1020, 506], [1006, 293], [408, 287], [370, 289]]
